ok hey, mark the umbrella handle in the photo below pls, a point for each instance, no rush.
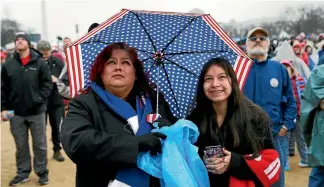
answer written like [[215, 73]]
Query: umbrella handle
[[157, 90]]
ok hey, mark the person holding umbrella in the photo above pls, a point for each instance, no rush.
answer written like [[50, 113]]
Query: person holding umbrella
[[238, 129], [109, 123]]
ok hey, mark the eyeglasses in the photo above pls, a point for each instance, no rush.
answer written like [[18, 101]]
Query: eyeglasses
[[254, 38]]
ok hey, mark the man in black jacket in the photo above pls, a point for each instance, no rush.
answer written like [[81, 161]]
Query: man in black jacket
[[25, 86], [55, 105]]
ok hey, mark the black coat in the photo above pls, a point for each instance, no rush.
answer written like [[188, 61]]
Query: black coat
[[25, 89], [95, 139], [56, 65], [238, 167]]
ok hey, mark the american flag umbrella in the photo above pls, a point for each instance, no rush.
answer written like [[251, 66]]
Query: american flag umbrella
[[173, 47]]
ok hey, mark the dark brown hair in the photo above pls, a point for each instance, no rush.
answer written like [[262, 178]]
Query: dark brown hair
[[243, 117]]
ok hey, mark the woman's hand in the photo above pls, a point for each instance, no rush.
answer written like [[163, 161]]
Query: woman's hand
[[216, 165]]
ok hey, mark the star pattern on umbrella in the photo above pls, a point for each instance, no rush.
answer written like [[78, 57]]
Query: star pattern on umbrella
[[186, 41]]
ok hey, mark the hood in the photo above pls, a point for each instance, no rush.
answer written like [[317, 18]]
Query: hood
[[285, 52]]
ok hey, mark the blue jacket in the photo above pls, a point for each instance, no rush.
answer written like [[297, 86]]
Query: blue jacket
[[321, 53], [268, 85], [320, 60]]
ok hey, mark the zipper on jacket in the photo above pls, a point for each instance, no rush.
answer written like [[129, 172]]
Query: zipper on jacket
[[254, 85]]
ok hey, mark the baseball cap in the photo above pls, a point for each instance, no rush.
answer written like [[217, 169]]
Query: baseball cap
[[252, 31]]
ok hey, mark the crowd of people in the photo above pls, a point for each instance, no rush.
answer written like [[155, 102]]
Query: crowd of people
[[256, 128], [29, 93]]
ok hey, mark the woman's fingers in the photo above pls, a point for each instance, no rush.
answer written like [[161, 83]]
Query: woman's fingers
[[217, 168]]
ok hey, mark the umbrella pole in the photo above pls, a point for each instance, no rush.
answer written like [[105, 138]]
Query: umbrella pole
[[157, 91]]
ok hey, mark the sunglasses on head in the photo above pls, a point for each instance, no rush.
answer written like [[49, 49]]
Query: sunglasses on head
[[254, 38]]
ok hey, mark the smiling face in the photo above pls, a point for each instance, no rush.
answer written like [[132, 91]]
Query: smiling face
[[217, 84], [118, 75], [297, 50]]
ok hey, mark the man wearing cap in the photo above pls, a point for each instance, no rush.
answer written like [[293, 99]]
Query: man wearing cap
[[55, 105], [268, 85], [26, 84]]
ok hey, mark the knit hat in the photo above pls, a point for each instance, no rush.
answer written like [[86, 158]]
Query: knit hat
[[24, 36], [44, 45]]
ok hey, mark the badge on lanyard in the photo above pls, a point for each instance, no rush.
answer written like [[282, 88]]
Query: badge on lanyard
[[274, 82]]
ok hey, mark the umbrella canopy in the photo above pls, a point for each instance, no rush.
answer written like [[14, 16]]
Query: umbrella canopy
[[173, 47]]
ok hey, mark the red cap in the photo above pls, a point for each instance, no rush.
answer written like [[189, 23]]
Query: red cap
[[287, 62], [298, 46]]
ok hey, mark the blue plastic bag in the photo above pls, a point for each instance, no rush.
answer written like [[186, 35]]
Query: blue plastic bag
[[179, 164]]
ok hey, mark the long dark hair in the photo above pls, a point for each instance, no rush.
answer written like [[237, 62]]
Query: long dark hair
[[141, 84], [244, 118]]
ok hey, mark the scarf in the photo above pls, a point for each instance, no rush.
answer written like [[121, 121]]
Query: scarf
[[133, 177]]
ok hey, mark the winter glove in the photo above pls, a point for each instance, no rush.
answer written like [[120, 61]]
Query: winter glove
[[150, 142], [163, 122]]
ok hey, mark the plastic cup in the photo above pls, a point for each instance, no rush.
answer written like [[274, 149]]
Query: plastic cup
[[215, 150]]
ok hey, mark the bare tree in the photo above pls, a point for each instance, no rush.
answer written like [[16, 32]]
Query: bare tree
[[307, 19], [8, 31]]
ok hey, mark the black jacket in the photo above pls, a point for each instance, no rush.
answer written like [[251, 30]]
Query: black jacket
[[238, 167], [25, 89], [95, 139], [56, 65]]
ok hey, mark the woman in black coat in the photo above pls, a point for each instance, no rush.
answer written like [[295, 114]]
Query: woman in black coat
[[96, 135], [239, 128]]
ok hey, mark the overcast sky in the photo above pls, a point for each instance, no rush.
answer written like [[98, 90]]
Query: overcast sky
[[62, 16]]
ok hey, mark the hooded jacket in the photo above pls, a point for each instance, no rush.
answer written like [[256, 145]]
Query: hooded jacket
[[285, 52], [312, 117]]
